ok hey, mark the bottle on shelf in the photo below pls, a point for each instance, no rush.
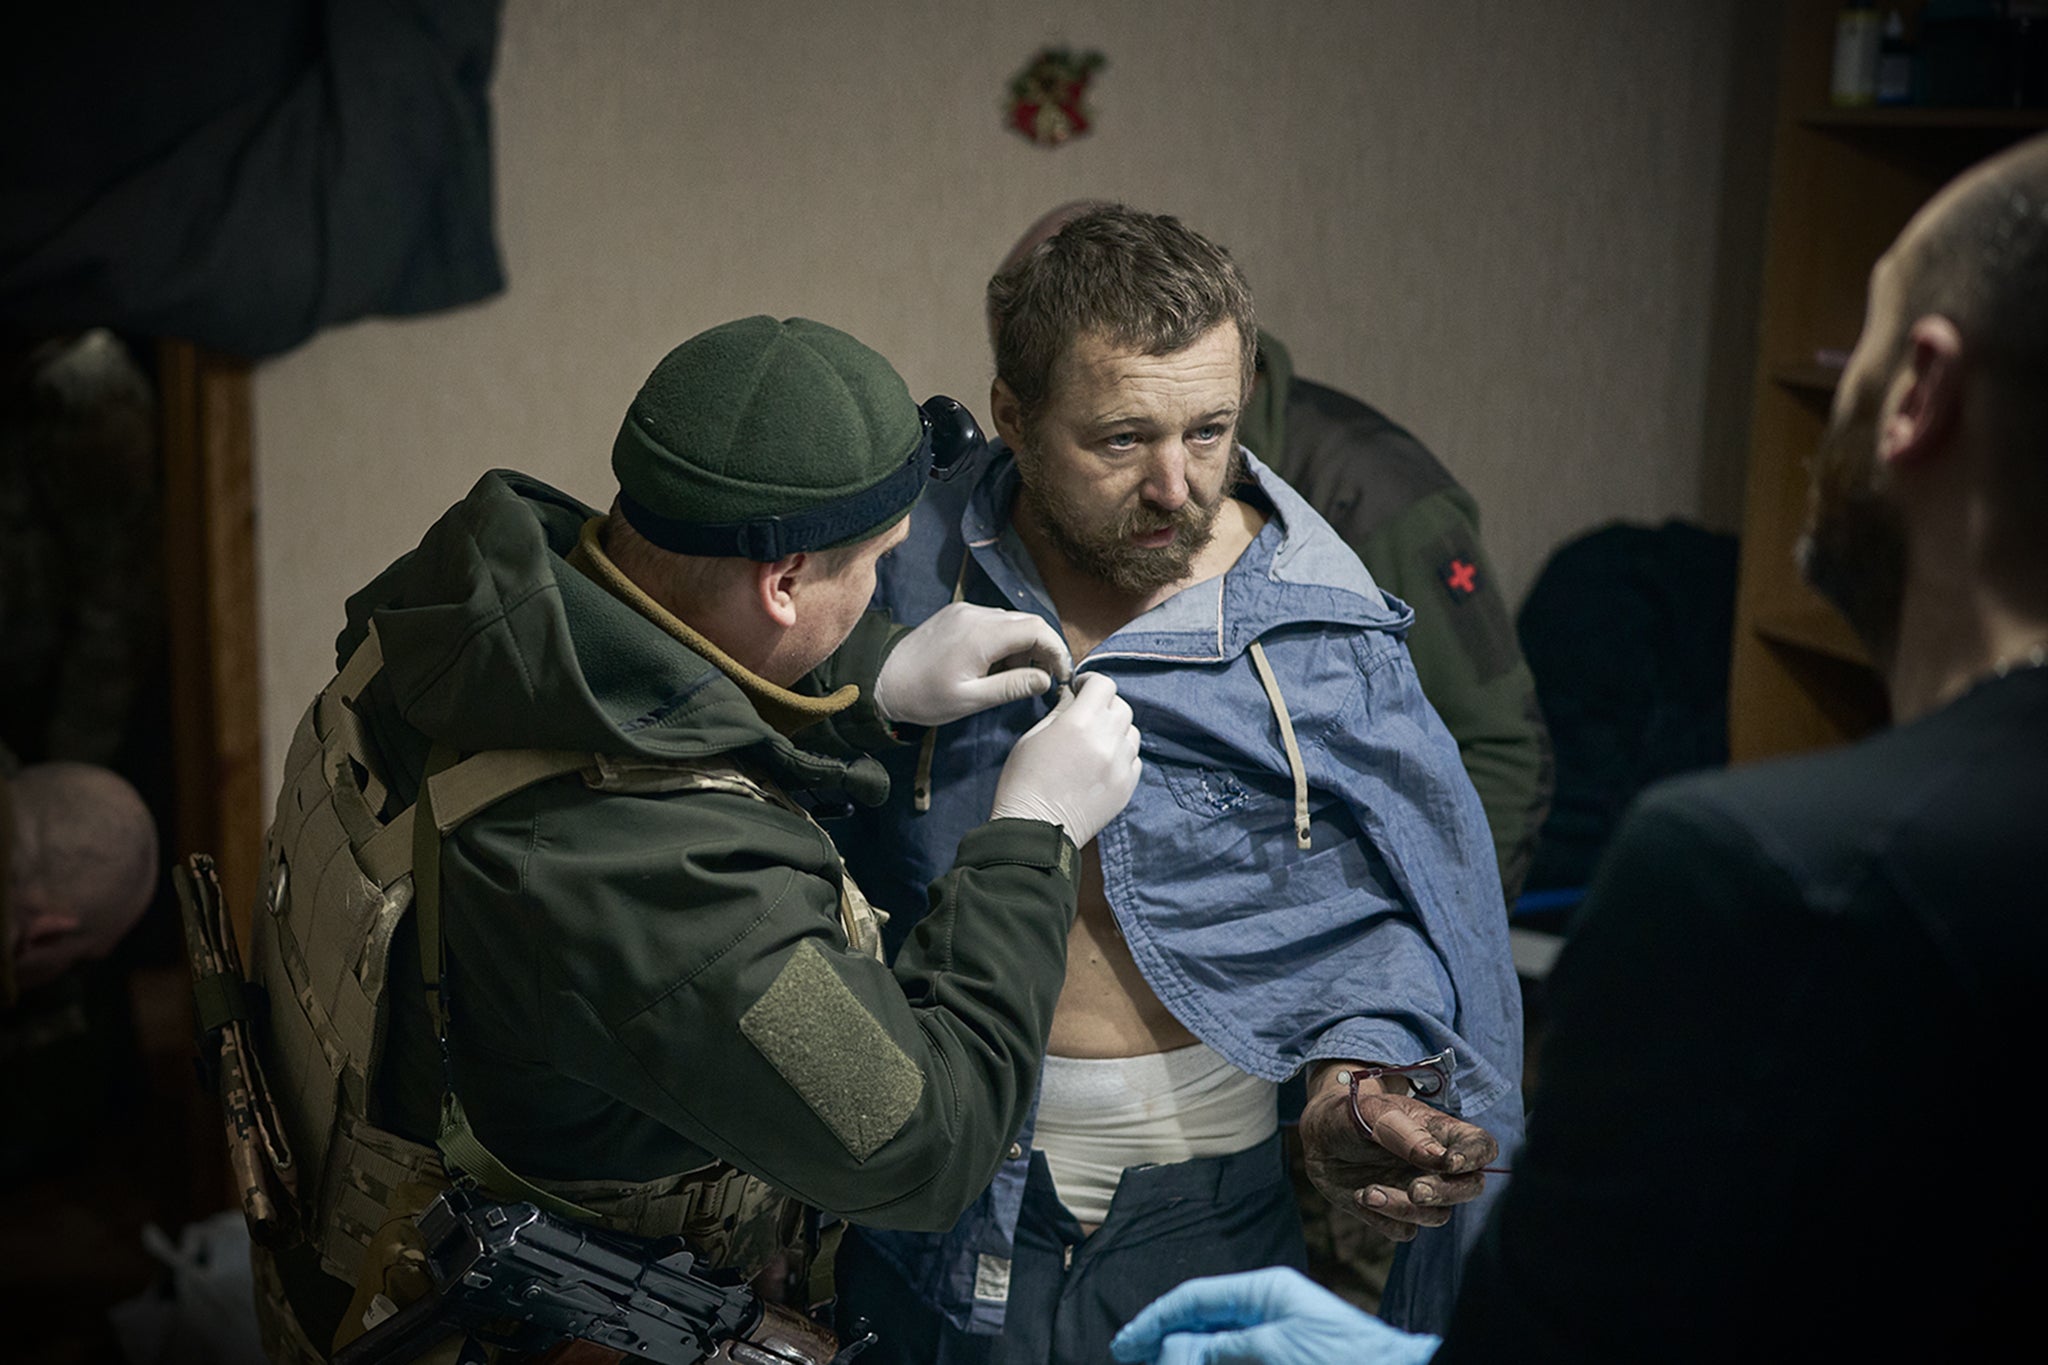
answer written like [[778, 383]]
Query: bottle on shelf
[[1966, 54], [1858, 35], [1894, 61]]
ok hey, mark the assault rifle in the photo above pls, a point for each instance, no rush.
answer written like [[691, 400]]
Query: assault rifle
[[513, 1276]]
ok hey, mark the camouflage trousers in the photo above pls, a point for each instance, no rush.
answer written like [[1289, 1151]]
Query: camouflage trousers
[[1344, 1255]]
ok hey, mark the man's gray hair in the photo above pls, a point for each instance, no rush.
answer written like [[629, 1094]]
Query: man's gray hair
[[1143, 281]]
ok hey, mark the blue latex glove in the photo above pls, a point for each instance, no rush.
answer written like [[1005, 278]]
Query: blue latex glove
[[1263, 1317]]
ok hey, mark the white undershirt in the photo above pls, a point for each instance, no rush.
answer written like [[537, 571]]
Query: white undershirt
[[1099, 1116]]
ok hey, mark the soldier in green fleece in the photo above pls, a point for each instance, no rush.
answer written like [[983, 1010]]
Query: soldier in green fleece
[[635, 984]]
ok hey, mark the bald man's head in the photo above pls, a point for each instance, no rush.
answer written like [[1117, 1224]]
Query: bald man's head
[[1977, 254], [1047, 225], [1934, 466], [81, 869], [1043, 228]]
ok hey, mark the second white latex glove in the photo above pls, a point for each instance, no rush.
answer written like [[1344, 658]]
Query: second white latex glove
[[1077, 767], [940, 671]]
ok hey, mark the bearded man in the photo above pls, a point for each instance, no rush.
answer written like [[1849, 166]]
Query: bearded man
[[1304, 880]]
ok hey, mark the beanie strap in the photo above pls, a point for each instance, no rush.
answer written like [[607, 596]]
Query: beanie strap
[[767, 539]]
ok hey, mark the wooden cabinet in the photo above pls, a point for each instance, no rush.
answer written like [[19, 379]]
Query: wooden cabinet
[[1843, 182]]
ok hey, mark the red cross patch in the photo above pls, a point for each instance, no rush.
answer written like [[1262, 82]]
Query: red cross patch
[[1461, 578]]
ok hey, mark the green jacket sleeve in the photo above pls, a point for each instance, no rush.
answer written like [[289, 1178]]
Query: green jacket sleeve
[[1470, 664], [687, 963]]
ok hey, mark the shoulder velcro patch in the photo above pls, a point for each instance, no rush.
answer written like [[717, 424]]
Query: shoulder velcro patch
[[1478, 616], [837, 1056]]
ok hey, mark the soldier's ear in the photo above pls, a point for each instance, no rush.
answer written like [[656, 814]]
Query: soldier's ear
[[775, 587], [1007, 413]]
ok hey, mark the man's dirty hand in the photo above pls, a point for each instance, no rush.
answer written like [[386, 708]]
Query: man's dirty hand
[[1414, 1168]]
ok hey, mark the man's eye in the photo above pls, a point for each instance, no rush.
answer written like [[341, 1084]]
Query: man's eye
[[1123, 440], [1206, 435]]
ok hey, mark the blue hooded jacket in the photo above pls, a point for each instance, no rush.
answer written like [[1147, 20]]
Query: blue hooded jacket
[[1384, 939]]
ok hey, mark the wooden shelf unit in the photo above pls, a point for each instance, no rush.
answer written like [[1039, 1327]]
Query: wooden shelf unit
[[1843, 182], [1892, 118], [1807, 376]]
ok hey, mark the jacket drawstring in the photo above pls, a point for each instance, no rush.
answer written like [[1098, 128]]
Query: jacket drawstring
[[1294, 763], [921, 785]]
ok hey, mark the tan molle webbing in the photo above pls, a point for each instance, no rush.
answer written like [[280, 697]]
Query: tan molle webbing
[[338, 713], [321, 937], [921, 785], [460, 791], [338, 884], [1294, 763]]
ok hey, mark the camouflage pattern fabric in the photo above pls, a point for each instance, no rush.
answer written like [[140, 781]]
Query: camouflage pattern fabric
[[80, 605]]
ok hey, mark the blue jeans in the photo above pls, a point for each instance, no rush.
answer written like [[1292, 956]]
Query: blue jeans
[[1069, 1293]]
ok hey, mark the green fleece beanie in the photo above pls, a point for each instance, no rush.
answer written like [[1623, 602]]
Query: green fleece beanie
[[759, 438]]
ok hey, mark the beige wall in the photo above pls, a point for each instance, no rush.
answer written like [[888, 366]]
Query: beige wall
[[1506, 229]]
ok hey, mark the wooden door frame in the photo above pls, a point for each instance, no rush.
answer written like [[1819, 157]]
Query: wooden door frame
[[209, 526]]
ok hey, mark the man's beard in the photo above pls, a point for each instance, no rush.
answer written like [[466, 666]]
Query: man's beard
[[1103, 550], [1853, 551]]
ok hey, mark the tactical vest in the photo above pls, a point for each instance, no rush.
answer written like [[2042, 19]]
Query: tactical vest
[[339, 882]]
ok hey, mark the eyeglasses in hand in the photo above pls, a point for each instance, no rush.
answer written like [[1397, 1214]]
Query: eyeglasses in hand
[[1426, 1080]]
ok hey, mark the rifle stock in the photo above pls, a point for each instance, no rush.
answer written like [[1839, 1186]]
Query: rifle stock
[[227, 1008], [514, 1276]]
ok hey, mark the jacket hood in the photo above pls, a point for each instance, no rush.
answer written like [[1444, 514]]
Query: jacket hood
[[1296, 572], [493, 640]]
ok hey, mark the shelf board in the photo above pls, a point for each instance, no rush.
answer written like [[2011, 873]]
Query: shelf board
[[1806, 376], [1904, 117], [1810, 624]]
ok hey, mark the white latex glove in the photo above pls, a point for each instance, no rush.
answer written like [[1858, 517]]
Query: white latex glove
[[940, 671], [1076, 768]]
